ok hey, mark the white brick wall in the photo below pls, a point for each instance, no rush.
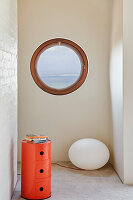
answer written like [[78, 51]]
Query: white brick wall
[[8, 97], [8, 63]]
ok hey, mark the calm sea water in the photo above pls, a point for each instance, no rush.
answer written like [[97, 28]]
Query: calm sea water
[[59, 82]]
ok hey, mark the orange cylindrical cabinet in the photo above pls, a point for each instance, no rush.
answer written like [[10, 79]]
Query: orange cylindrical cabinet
[[36, 170]]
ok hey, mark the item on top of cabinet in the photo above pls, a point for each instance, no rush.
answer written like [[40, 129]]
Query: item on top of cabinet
[[32, 138]]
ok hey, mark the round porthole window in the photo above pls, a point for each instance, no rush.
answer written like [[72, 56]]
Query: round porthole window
[[59, 66]]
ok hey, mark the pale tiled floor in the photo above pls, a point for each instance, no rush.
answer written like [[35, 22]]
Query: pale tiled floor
[[102, 184]]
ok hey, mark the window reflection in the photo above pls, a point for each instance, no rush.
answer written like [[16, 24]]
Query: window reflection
[[59, 67]]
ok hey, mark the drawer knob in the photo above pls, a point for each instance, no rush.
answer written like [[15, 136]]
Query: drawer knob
[[41, 189], [41, 153], [41, 170]]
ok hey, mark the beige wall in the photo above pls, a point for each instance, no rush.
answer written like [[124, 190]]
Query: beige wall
[[86, 112], [121, 78], [116, 86], [128, 90], [8, 98]]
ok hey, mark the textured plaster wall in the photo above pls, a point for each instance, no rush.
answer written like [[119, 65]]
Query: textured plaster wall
[[8, 98], [116, 87], [85, 112], [128, 90]]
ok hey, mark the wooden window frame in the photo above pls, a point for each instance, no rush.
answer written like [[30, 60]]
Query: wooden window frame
[[68, 43]]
